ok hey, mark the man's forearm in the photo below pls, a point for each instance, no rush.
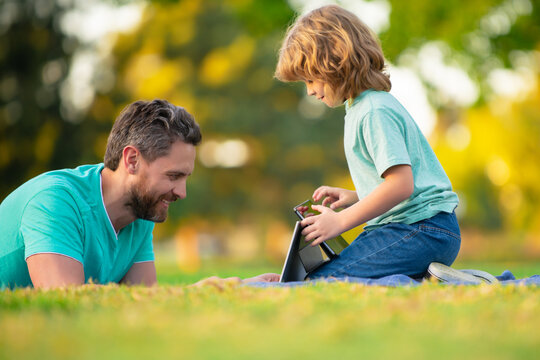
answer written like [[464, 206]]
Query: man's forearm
[[142, 273]]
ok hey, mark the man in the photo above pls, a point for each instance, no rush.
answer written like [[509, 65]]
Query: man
[[94, 223]]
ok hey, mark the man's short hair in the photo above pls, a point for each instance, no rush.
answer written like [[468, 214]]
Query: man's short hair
[[152, 127]]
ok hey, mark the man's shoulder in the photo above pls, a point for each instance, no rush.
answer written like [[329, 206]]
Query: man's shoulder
[[80, 173], [83, 179], [79, 183]]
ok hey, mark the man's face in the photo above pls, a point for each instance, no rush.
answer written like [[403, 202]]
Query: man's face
[[161, 182]]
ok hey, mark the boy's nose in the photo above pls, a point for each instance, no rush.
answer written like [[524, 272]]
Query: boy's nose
[[310, 90]]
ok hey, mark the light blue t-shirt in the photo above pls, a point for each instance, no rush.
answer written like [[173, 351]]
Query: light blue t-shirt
[[62, 212], [380, 133]]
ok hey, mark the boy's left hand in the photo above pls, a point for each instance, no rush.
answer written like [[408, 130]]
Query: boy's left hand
[[321, 227]]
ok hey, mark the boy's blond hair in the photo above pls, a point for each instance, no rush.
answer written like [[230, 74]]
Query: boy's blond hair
[[332, 45]]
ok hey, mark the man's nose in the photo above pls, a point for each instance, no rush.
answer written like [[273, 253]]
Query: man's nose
[[180, 190]]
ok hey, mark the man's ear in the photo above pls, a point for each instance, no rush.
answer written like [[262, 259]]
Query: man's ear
[[131, 158]]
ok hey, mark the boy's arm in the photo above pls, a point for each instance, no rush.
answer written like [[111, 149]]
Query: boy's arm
[[398, 185]]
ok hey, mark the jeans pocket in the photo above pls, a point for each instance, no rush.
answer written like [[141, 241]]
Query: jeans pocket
[[435, 230]]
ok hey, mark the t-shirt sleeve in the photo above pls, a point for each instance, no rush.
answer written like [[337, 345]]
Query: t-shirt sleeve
[[146, 250], [52, 223], [385, 140]]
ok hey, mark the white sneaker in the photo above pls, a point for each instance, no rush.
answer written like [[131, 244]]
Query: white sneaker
[[445, 273], [482, 275]]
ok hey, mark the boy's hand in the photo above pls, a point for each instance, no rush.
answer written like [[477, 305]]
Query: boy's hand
[[335, 197], [321, 227], [302, 210]]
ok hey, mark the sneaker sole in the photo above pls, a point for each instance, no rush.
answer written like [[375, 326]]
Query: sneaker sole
[[482, 275], [445, 273]]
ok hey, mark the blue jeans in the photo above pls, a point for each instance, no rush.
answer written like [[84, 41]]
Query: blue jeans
[[397, 248]]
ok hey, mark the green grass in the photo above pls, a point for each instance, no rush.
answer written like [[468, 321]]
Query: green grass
[[325, 321], [520, 269], [168, 272]]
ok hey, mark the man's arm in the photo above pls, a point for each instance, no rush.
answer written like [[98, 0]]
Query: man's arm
[[54, 270], [143, 273]]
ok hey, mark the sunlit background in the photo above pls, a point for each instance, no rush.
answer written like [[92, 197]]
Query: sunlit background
[[468, 72]]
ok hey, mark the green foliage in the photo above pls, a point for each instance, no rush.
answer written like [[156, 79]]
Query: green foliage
[[34, 61], [426, 20], [483, 35]]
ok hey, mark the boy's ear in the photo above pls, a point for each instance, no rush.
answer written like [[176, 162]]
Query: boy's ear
[[131, 158]]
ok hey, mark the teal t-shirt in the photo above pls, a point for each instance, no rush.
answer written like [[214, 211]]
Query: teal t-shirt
[[62, 212], [380, 133]]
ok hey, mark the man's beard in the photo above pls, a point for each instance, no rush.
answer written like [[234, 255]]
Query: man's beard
[[146, 205]]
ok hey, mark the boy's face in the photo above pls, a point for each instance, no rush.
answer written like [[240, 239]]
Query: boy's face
[[323, 92]]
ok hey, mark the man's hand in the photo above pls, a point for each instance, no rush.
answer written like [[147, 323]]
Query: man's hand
[[321, 227], [334, 197], [269, 277], [54, 270], [232, 281], [217, 282]]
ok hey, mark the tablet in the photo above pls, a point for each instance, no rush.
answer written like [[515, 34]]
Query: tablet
[[300, 260], [331, 247]]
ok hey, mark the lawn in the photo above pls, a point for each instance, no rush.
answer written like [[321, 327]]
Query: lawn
[[325, 321]]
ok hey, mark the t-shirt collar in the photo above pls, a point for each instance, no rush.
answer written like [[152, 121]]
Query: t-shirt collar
[[103, 203]]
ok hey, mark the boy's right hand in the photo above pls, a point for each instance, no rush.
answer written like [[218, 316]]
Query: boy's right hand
[[334, 197]]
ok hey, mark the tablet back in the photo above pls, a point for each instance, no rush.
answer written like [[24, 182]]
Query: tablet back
[[301, 259]]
